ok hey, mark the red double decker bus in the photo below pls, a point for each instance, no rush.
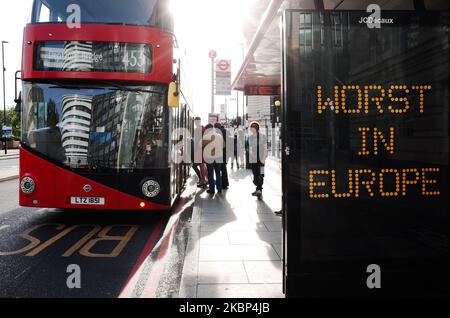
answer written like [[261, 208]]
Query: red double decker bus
[[96, 122]]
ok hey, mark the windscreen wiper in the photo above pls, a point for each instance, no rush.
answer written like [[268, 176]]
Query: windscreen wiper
[[119, 87], [70, 86], [126, 24]]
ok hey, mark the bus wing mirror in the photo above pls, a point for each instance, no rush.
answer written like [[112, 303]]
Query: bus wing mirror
[[18, 102], [17, 99], [174, 95]]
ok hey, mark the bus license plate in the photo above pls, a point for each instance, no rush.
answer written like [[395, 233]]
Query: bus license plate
[[87, 201]]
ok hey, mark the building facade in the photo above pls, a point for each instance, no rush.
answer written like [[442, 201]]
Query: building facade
[[75, 128]]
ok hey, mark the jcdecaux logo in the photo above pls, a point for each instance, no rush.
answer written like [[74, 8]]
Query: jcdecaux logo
[[374, 20]]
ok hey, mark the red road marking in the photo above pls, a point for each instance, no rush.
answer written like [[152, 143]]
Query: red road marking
[[152, 282], [145, 252], [158, 267]]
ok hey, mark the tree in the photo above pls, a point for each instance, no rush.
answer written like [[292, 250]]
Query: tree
[[12, 120]]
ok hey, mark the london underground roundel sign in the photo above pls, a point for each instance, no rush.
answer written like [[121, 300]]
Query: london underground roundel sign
[[223, 65]]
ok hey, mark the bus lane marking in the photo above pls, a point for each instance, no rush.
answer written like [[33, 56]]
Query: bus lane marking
[[57, 237], [33, 240], [84, 245], [103, 236], [82, 241]]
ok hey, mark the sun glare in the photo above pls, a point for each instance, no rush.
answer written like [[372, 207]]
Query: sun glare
[[204, 25], [212, 21]]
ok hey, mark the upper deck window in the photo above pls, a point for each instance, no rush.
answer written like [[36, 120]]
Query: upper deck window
[[44, 13], [130, 12]]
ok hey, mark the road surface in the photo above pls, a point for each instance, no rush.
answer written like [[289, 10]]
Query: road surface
[[37, 246]]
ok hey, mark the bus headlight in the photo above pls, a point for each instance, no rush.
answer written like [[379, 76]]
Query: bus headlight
[[27, 185], [151, 188]]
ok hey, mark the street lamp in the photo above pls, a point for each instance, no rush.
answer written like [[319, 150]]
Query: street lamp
[[242, 45], [4, 94], [212, 56]]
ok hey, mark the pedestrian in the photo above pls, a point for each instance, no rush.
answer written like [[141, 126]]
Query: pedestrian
[[199, 165], [257, 157], [195, 166], [241, 148], [223, 166], [213, 148], [235, 152], [246, 145]]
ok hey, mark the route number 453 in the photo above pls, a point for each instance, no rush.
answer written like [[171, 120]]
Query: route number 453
[[134, 58]]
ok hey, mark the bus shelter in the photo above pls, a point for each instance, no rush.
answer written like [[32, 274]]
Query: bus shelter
[[364, 87]]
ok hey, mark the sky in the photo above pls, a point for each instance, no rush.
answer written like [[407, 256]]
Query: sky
[[201, 25], [13, 17]]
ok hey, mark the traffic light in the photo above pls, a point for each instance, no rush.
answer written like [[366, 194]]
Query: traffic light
[[275, 110]]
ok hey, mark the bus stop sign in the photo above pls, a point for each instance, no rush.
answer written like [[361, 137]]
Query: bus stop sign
[[6, 131]]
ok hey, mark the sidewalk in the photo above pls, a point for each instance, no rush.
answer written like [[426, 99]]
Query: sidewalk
[[12, 153], [9, 165], [234, 247]]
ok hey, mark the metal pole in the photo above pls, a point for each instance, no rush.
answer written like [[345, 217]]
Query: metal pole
[[4, 96], [212, 85], [243, 109], [244, 98], [237, 107]]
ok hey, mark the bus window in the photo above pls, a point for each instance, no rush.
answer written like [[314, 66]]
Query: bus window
[[44, 13], [131, 12]]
